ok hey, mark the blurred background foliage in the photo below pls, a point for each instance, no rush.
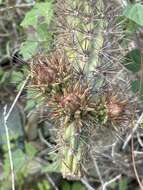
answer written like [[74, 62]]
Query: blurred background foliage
[[26, 27]]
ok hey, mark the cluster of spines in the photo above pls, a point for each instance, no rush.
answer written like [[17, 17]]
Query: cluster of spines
[[80, 28]]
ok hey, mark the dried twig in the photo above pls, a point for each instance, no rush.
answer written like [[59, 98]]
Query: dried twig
[[98, 171], [87, 185], [51, 181], [134, 165], [19, 6], [111, 181], [6, 116], [104, 184], [133, 131], [16, 98], [44, 140], [9, 149]]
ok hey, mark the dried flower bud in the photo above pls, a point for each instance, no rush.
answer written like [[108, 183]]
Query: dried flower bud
[[43, 75], [71, 103], [50, 70], [114, 108]]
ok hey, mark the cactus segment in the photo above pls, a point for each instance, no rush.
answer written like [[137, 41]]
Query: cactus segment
[[71, 155], [80, 30], [75, 105]]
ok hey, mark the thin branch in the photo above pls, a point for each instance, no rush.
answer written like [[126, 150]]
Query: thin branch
[[51, 181], [87, 185], [9, 149], [44, 140], [133, 131], [16, 98], [6, 116], [111, 181], [20, 6], [98, 171], [134, 165]]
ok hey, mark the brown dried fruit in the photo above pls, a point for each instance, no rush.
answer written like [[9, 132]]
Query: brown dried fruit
[[115, 108], [71, 102], [43, 75]]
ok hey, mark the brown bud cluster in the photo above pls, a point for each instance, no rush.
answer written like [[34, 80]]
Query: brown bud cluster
[[49, 70], [115, 108], [67, 97], [43, 75], [70, 103]]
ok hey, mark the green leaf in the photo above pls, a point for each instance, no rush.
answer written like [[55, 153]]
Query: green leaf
[[30, 19], [78, 185], [66, 186], [19, 159], [45, 10], [39, 10], [30, 150], [36, 23], [137, 86], [42, 33], [131, 27], [16, 77], [123, 184], [44, 185], [133, 60], [134, 12], [28, 49]]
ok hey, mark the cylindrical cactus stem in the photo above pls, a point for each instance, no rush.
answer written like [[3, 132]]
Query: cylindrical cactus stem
[[76, 25], [100, 26], [82, 31], [71, 151]]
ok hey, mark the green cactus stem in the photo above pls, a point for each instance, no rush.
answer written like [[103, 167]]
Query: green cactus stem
[[72, 152], [97, 44], [81, 25]]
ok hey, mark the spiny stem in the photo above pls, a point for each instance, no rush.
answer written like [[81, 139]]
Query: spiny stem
[[98, 41], [70, 166]]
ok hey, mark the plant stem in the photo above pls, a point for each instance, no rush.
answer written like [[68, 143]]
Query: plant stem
[[72, 150], [98, 41]]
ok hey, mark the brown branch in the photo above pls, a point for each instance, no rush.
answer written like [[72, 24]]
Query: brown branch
[[134, 165], [20, 6]]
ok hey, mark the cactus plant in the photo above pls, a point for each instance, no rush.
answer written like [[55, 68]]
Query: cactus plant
[[82, 99]]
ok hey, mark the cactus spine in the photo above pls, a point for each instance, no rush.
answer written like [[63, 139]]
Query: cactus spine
[[81, 26], [75, 107]]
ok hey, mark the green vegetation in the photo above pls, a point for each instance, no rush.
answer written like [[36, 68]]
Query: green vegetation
[[71, 118]]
